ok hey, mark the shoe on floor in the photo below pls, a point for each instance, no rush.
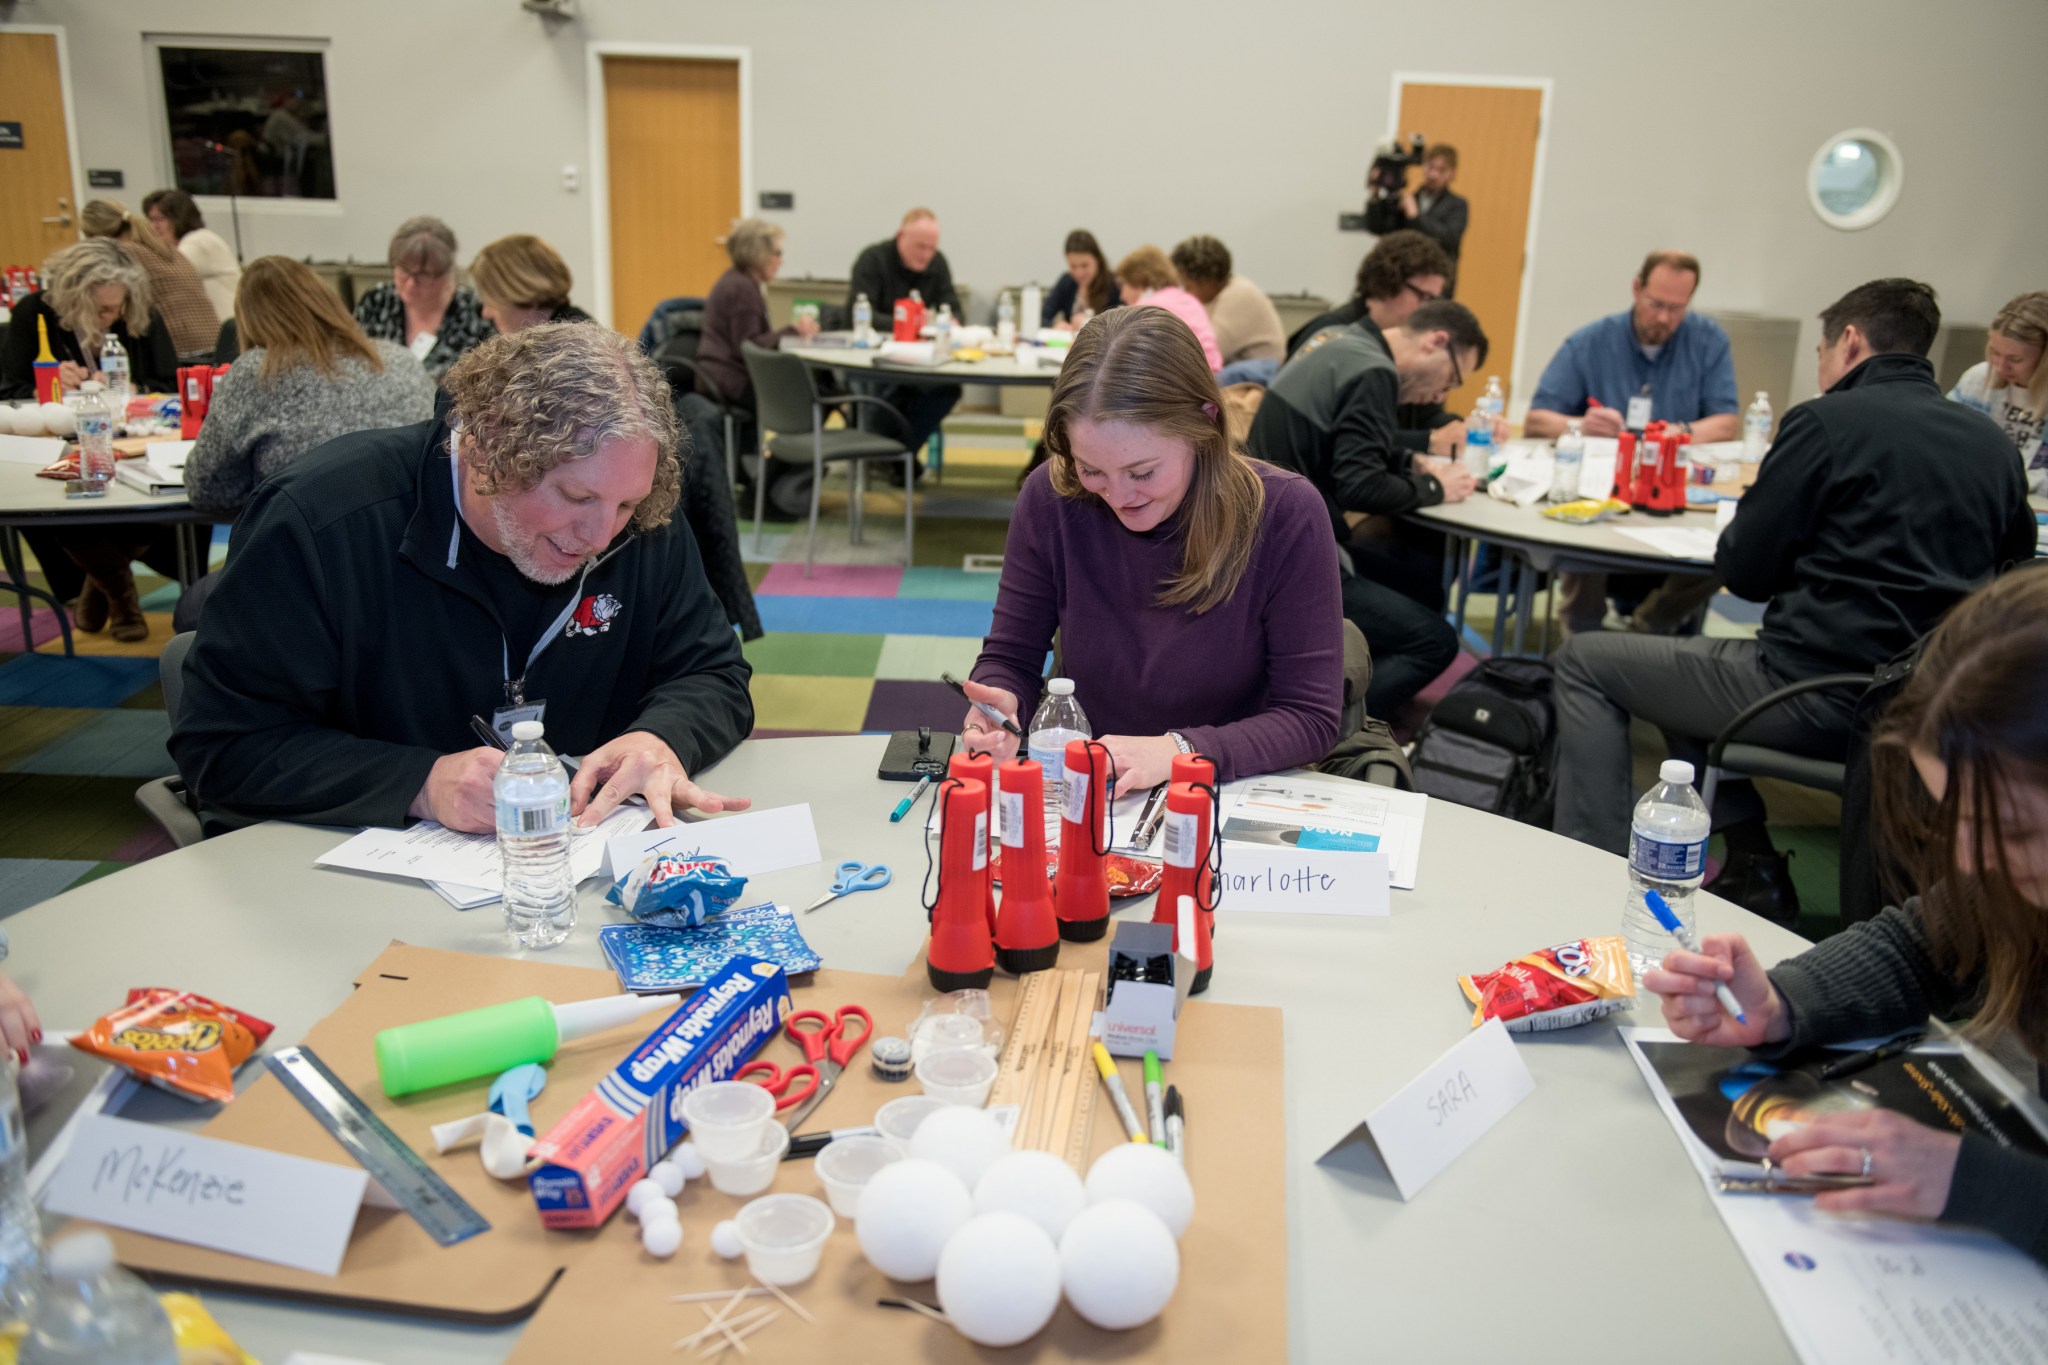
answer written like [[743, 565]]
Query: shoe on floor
[[89, 612], [1761, 884], [124, 610]]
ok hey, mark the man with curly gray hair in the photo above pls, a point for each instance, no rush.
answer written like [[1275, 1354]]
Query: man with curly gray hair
[[514, 559]]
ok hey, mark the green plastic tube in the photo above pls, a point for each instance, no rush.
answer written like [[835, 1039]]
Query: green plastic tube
[[461, 1047]]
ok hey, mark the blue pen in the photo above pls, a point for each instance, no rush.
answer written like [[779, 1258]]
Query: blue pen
[[1687, 941], [903, 806]]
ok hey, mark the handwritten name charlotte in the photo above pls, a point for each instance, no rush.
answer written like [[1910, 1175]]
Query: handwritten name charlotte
[[140, 1177]]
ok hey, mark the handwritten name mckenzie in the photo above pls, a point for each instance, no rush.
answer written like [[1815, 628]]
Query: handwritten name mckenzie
[[131, 1173]]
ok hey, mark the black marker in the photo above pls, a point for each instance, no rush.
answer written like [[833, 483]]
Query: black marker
[[485, 732], [1863, 1061], [998, 717]]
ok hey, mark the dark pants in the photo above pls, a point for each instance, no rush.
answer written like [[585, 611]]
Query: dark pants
[[66, 555], [1410, 643], [1690, 689], [924, 407]]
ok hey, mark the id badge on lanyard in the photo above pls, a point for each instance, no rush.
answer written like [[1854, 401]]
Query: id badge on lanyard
[[1639, 412], [515, 709]]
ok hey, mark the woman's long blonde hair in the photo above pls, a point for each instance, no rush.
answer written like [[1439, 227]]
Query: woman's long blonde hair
[[71, 274], [111, 218], [1144, 366], [2025, 320], [289, 311]]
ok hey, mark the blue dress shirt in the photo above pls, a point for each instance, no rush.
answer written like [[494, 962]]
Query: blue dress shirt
[[1692, 377]]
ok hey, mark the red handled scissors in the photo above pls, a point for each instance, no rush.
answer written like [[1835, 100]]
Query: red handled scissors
[[828, 1046]]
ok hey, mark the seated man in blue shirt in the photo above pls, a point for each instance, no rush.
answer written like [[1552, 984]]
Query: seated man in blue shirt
[[1657, 362]]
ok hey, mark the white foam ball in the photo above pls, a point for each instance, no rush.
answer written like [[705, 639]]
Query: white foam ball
[[27, 420], [1037, 1185], [640, 1193], [1118, 1264], [59, 420], [965, 1140], [660, 1211], [669, 1176], [661, 1238], [999, 1279], [7, 419], [907, 1212], [725, 1240], [1149, 1175], [685, 1159]]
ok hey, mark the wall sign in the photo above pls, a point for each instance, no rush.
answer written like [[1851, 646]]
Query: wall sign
[[10, 137]]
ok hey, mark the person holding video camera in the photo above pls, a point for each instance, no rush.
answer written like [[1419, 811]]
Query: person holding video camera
[[1430, 208]]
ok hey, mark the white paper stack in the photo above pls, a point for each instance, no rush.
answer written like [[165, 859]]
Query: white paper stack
[[464, 869]]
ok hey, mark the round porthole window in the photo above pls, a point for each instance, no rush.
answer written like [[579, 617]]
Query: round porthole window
[[1855, 178]]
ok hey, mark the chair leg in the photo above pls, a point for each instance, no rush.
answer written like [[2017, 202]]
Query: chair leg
[[856, 483], [909, 501], [760, 491], [1709, 787], [732, 456], [817, 485]]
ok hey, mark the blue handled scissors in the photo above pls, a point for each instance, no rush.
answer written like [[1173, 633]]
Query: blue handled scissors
[[853, 877]]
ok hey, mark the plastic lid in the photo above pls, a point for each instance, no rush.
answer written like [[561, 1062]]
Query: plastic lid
[[81, 1256], [91, 386], [526, 731], [1676, 770], [1060, 687]]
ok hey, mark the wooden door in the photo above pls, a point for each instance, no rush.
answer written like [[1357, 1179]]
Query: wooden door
[[1494, 129], [35, 178], [672, 143]]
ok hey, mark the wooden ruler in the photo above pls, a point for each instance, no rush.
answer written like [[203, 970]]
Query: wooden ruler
[[1045, 1068]]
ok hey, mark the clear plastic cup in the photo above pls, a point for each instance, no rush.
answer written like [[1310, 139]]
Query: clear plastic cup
[[783, 1236], [898, 1119], [964, 1076], [943, 1032], [727, 1118], [846, 1165], [754, 1171]]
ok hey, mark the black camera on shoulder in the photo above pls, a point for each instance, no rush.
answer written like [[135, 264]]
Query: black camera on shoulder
[[1384, 182]]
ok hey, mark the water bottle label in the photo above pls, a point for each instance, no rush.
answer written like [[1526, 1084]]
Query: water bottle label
[[1660, 861], [1010, 819], [534, 817], [1182, 831], [980, 840]]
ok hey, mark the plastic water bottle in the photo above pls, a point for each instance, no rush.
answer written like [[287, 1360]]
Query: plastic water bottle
[[1479, 446], [863, 322], [114, 374], [1493, 407], [942, 335], [92, 1311], [531, 791], [1756, 428], [1667, 853], [21, 1232], [1006, 320], [95, 437], [1059, 719], [1569, 464]]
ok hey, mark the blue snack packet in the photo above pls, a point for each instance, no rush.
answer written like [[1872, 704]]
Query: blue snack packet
[[677, 890]]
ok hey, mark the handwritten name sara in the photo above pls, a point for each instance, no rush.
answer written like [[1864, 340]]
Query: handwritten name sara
[[138, 1177]]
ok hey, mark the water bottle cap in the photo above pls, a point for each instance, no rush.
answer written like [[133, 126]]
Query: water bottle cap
[[527, 731], [81, 1256], [1676, 770], [1060, 687], [91, 386]]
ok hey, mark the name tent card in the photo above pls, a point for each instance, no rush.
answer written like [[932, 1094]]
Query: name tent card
[[245, 1200], [1430, 1122], [1303, 881]]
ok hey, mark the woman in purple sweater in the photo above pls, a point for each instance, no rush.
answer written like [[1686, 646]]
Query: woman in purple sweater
[[1195, 591]]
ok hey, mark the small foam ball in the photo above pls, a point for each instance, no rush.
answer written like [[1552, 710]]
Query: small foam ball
[[964, 1140], [1037, 1185], [7, 427], [725, 1240], [660, 1211], [1149, 1175], [661, 1238], [907, 1213], [999, 1279], [1119, 1264], [641, 1192], [668, 1176], [686, 1160], [59, 420]]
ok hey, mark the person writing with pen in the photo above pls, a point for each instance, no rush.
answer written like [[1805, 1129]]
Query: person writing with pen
[[1962, 788], [1193, 591]]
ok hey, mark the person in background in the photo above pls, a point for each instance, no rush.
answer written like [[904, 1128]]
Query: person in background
[[1403, 271], [423, 309], [737, 312], [1656, 362], [1249, 334], [890, 270], [1432, 210], [92, 289], [1194, 591], [1835, 537], [175, 288], [1146, 276], [1962, 793], [521, 281], [1086, 289], [1329, 415], [2010, 385], [178, 223]]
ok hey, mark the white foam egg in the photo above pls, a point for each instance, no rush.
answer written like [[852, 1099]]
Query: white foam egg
[[1119, 1264], [685, 1159], [1037, 1185], [999, 1279], [661, 1238], [640, 1194], [25, 421], [725, 1240], [964, 1140], [669, 1176], [6, 419], [908, 1211], [1149, 1175], [59, 420]]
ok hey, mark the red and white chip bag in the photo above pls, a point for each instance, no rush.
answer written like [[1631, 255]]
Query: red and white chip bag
[[1554, 988], [178, 1041]]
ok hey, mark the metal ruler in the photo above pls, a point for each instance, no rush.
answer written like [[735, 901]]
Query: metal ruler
[[403, 1173]]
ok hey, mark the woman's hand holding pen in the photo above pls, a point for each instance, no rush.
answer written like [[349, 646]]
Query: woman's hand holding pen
[[982, 735], [1686, 983]]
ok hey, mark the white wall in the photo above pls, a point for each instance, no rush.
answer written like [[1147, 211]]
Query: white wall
[[1682, 125]]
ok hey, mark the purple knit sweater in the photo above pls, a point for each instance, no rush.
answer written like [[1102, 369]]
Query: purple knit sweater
[[1256, 682]]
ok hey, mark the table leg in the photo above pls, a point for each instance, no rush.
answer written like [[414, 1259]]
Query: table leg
[[1461, 550], [1525, 601], [1500, 607], [191, 563], [17, 582]]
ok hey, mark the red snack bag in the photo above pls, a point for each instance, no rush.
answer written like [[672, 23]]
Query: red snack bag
[[1555, 988], [1129, 878], [177, 1041]]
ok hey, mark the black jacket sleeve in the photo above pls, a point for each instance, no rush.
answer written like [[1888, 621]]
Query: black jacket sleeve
[[2021, 536], [942, 287], [1368, 470], [697, 701], [1059, 302], [867, 278], [18, 355], [1775, 522], [153, 360], [1445, 222]]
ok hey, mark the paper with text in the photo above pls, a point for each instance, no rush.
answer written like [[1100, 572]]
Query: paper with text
[[1323, 812], [1303, 881], [468, 862]]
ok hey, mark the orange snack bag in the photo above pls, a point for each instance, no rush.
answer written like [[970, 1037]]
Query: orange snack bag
[[1552, 988], [177, 1041]]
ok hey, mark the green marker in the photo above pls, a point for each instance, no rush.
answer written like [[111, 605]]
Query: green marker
[[1155, 1098], [496, 1038]]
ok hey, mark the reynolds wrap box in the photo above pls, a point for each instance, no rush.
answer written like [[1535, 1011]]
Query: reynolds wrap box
[[620, 1129]]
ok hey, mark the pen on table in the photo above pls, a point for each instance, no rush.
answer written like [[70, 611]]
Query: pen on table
[[1155, 1095], [1114, 1084], [1176, 1125], [810, 1144], [1869, 1057], [485, 732], [1691, 944], [903, 806], [998, 717], [1149, 818]]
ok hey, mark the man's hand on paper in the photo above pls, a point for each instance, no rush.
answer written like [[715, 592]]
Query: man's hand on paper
[[1685, 984], [981, 735], [640, 764], [1601, 421], [1913, 1165], [458, 792]]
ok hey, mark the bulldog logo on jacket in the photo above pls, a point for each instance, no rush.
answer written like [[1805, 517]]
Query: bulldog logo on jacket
[[593, 615]]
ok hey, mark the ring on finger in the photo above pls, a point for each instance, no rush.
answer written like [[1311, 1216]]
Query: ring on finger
[[1866, 1162]]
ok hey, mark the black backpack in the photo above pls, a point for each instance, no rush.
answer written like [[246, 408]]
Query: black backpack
[[1491, 743]]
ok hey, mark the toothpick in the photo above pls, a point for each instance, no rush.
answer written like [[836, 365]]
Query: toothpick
[[732, 1336], [717, 1319], [773, 1314], [914, 1306], [788, 1302], [711, 1295]]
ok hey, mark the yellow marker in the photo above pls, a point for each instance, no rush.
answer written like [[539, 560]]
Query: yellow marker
[[1114, 1083]]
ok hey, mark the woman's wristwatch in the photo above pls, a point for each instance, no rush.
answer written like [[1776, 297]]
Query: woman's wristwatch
[[1179, 742]]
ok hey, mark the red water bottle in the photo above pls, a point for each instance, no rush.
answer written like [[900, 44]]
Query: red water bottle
[[1027, 930], [961, 954], [1188, 830], [982, 768], [1081, 890]]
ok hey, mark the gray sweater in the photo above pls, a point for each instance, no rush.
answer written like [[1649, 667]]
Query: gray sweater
[[1880, 977], [257, 425]]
